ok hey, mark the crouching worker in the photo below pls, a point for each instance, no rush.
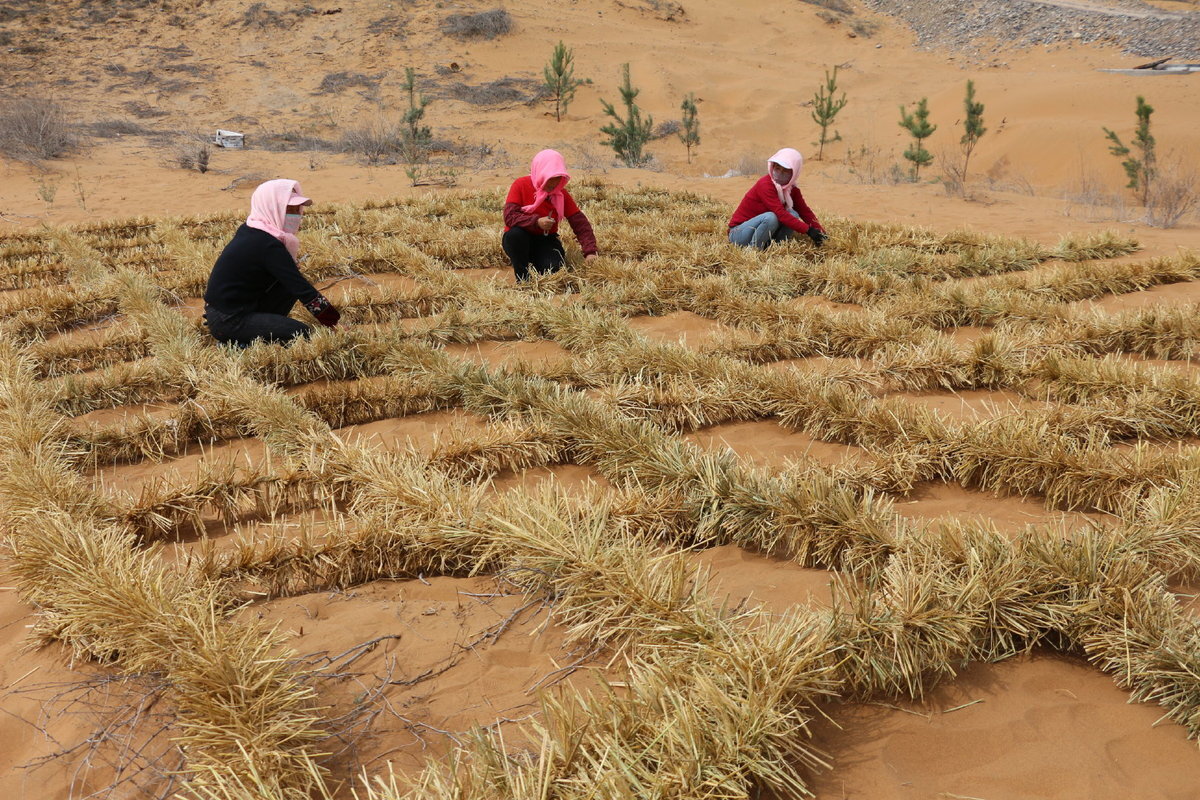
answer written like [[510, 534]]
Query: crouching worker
[[774, 209], [535, 205], [255, 281]]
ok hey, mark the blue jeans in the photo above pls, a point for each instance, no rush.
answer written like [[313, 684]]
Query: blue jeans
[[761, 231]]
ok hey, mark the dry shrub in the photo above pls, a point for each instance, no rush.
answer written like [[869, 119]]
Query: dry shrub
[[840, 6], [191, 155], [116, 128], [869, 166], [1174, 194], [748, 164], [666, 10], [261, 17], [666, 128], [954, 173], [502, 90], [1001, 177], [35, 128], [338, 82], [392, 25], [482, 25], [379, 143], [1094, 200]]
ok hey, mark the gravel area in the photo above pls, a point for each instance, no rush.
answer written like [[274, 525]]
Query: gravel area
[[981, 28]]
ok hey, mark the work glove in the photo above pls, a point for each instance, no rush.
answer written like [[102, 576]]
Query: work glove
[[324, 311], [817, 235]]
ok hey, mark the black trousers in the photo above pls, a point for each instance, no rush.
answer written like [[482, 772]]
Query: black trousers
[[268, 321], [523, 248]]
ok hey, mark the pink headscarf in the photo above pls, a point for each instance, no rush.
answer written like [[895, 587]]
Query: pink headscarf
[[788, 159], [268, 205], [546, 165]]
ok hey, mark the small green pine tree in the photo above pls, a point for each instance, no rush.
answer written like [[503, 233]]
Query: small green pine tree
[[690, 135], [627, 137], [415, 137], [1140, 171], [560, 80], [972, 126], [917, 123], [825, 108]]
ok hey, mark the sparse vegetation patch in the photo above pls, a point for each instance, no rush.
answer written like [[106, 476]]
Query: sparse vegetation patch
[[35, 128], [501, 90], [480, 25]]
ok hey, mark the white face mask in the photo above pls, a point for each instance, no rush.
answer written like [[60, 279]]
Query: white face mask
[[291, 223]]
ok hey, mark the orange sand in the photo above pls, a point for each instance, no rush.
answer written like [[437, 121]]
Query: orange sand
[[1048, 728]]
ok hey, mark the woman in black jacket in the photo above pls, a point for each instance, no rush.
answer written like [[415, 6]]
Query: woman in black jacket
[[255, 281]]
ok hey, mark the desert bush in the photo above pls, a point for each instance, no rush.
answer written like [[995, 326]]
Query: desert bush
[[192, 155], [481, 25], [292, 140], [259, 16], [35, 128], [748, 164], [666, 10], [143, 110], [868, 165], [373, 144], [1174, 194], [502, 90], [840, 6], [1090, 192], [954, 173], [864, 27], [114, 128], [391, 25], [338, 82], [668, 127]]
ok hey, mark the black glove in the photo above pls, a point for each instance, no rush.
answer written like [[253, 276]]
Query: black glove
[[817, 235], [324, 311]]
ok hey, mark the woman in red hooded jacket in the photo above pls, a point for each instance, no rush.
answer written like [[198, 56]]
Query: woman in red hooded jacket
[[536, 203], [774, 209]]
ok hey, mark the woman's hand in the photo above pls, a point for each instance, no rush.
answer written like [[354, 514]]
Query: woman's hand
[[546, 223], [590, 257]]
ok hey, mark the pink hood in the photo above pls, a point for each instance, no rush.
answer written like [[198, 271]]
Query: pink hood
[[268, 205], [788, 159], [546, 165]]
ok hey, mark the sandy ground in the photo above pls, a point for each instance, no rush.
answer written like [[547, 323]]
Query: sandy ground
[[1046, 727]]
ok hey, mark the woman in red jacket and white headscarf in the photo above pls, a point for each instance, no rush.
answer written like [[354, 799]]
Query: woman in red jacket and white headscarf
[[774, 209], [536, 203]]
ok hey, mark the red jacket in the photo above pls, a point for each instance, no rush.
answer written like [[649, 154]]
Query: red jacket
[[762, 198], [521, 194]]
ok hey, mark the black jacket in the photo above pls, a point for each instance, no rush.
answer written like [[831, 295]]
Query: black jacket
[[250, 264]]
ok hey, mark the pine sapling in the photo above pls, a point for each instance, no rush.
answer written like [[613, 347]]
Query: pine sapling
[[415, 137], [627, 136], [559, 79], [690, 135], [825, 108], [972, 126], [917, 123], [1140, 171]]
